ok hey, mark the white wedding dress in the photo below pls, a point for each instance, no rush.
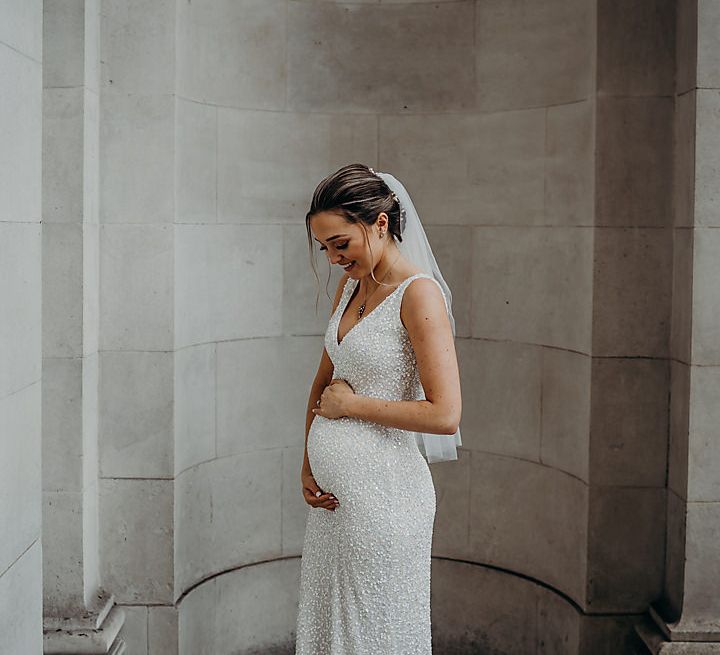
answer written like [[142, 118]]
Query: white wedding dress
[[365, 570]]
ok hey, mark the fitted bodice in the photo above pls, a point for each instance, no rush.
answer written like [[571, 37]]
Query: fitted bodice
[[376, 356]]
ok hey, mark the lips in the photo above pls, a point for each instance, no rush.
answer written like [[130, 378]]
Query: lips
[[349, 266]]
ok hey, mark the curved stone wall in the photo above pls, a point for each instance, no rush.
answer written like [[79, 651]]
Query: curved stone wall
[[493, 136]]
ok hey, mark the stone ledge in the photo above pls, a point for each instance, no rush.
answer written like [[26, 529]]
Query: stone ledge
[[101, 640], [661, 638]]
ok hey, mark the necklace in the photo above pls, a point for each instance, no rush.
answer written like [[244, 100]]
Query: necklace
[[361, 309]]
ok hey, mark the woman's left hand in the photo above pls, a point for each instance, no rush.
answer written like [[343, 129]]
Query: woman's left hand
[[335, 399]]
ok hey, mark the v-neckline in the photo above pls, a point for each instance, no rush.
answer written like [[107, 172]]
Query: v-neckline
[[370, 313]]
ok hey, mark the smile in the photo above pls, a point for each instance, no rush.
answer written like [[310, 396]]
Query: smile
[[349, 266]]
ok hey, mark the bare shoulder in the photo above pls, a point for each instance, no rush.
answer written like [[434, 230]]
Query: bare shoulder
[[422, 301]]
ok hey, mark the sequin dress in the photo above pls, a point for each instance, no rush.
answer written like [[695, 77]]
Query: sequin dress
[[365, 570]]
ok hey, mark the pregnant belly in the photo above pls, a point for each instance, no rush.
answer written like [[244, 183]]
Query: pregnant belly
[[348, 454]]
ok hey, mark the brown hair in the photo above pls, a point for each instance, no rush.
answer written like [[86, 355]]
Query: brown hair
[[358, 195]]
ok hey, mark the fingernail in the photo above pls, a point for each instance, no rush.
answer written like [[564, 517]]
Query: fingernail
[[318, 493]]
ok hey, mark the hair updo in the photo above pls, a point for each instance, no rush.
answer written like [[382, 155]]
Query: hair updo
[[359, 195]]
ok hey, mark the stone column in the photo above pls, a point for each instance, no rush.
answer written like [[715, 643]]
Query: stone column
[[79, 615], [686, 618]]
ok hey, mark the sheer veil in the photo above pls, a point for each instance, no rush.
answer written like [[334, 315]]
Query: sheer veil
[[416, 248]]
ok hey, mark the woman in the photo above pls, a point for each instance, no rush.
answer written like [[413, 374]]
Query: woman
[[388, 371]]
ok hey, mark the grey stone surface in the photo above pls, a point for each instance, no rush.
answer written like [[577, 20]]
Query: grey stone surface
[[227, 514], [707, 159], [430, 47], [492, 419], [257, 377], [625, 566], [565, 410], [136, 414], [228, 282], [531, 54], [233, 52], [272, 181], [21, 603], [533, 285], [136, 287], [136, 158], [136, 539], [636, 47], [510, 499], [628, 435], [632, 292], [706, 312]]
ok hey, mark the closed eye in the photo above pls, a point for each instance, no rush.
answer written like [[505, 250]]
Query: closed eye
[[340, 247]]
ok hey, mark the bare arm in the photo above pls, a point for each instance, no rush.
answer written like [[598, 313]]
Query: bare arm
[[322, 379], [424, 315]]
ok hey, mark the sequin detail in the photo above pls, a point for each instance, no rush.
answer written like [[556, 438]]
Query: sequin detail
[[365, 570]]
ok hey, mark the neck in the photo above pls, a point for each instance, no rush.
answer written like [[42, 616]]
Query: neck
[[385, 269]]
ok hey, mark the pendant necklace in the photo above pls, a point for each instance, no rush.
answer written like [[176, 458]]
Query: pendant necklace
[[361, 309]]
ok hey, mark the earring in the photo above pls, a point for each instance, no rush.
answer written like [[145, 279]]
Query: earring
[[382, 234]]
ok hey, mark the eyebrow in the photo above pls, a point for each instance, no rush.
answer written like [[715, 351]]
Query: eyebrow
[[331, 238]]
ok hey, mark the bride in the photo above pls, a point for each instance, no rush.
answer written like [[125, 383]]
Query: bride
[[385, 397]]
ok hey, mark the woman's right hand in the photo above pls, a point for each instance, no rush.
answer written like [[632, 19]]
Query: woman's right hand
[[314, 496]]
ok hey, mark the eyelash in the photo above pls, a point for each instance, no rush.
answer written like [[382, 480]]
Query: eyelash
[[342, 247]]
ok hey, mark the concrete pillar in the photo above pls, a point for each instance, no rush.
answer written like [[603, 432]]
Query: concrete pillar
[[79, 615], [686, 617]]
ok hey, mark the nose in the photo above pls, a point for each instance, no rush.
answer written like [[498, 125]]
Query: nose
[[335, 259]]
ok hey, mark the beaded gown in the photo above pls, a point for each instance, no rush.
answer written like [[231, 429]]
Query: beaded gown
[[365, 569]]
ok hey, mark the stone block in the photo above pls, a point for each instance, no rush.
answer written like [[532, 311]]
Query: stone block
[[62, 292], [195, 162], [531, 54], [62, 424], [565, 398], [21, 27], [162, 630], [21, 118], [294, 508], [702, 568], [274, 179], [708, 43], [675, 551], [707, 158], [227, 514], [632, 292], [137, 172], [136, 540], [451, 247], [20, 485], [533, 285], [679, 428], [625, 565], [136, 414], [194, 406], [21, 603], [495, 420], [634, 162], [706, 297], [686, 46], [511, 499], [431, 47], [704, 435], [629, 430], [136, 287], [570, 164], [636, 48], [62, 151], [262, 392], [138, 47], [91, 284], [682, 295], [684, 159], [63, 46], [135, 630], [228, 282], [452, 516], [232, 52]]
